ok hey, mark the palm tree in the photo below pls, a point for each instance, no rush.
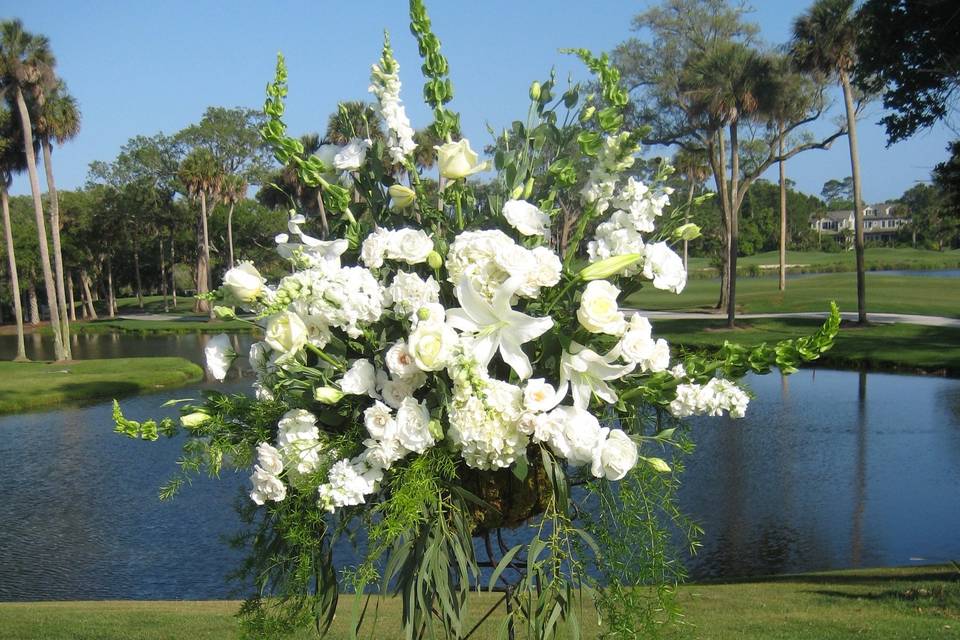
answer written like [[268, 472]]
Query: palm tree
[[234, 190], [694, 166], [354, 119], [58, 119], [26, 64], [425, 156], [203, 177], [12, 160], [824, 43]]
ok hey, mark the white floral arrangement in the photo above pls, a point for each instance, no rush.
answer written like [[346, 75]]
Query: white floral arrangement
[[442, 341]]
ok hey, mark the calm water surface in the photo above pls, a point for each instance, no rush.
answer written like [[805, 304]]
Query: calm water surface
[[830, 470]]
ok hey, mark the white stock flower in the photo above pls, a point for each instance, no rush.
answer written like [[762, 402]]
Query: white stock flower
[[599, 312], [360, 379], [587, 373], [352, 155], [432, 345], [657, 358], [496, 325], [286, 333], [409, 292], [399, 360], [244, 282], [614, 457], [269, 458], [413, 426], [526, 217], [348, 484], [266, 486], [219, 355], [636, 345], [664, 267], [374, 248], [457, 160]]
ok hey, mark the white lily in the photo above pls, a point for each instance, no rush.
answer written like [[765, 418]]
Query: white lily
[[587, 372], [324, 254], [496, 325]]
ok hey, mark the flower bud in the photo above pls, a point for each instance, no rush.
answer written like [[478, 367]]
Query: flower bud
[[609, 267], [436, 430], [225, 313], [517, 193], [401, 197], [423, 313], [535, 91], [687, 231], [327, 395], [194, 419], [435, 260], [528, 188]]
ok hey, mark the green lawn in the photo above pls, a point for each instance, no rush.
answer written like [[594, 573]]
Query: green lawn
[[153, 304], [901, 347], [25, 386], [187, 324], [886, 604], [819, 261], [892, 294]]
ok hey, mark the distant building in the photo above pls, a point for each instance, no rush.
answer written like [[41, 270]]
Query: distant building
[[880, 222]]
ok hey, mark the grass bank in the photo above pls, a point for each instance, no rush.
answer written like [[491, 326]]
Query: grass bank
[[26, 386], [920, 602], [187, 324], [882, 347], [876, 259], [891, 294]]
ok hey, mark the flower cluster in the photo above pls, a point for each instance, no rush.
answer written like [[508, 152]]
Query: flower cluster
[[385, 85]]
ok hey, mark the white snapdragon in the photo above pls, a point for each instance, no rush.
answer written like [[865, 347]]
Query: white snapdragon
[[526, 218], [664, 267], [599, 312], [360, 379], [386, 87]]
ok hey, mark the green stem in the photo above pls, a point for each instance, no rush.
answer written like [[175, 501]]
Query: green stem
[[459, 210], [560, 295], [333, 362]]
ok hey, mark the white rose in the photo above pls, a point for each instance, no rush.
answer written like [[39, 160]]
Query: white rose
[[286, 332], [413, 426], [548, 269], [409, 245], [615, 456], [244, 282], [457, 160], [430, 313], [598, 312], [219, 356], [658, 358], [379, 421], [381, 455], [526, 218], [373, 248], [269, 458], [360, 379], [432, 345], [266, 487], [664, 267], [400, 361], [539, 395], [351, 157], [394, 391]]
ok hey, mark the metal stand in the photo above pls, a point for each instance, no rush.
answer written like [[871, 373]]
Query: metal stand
[[507, 589]]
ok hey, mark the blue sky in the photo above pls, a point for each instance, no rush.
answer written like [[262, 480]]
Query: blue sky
[[143, 67]]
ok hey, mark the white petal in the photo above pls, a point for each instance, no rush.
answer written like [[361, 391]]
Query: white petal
[[458, 319], [524, 328], [514, 356], [485, 347], [476, 307]]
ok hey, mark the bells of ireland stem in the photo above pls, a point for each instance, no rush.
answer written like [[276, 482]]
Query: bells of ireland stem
[[609, 267]]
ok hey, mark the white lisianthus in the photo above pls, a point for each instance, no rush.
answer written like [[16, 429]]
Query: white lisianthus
[[657, 358], [457, 160], [615, 456], [360, 379], [548, 267], [351, 156], [297, 425], [379, 421], [664, 267], [539, 395], [413, 426], [599, 312], [219, 355], [400, 361], [579, 435], [326, 153], [269, 458], [432, 345], [409, 245], [266, 486], [401, 197], [383, 453], [637, 345], [286, 333], [244, 282], [526, 217], [396, 390]]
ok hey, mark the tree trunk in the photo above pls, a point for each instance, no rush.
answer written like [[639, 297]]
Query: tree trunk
[[203, 260], [58, 343], [173, 269], [230, 234], [718, 163], [686, 220], [73, 304], [163, 276], [34, 304], [91, 311], [111, 296], [57, 252], [783, 216], [857, 199], [14, 277], [136, 270], [734, 233]]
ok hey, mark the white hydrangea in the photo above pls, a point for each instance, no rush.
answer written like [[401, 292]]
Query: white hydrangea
[[408, 293], [347, 299], [489, 257], [348, 484]]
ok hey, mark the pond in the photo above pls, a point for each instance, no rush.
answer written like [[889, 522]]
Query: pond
[[829, 470]]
